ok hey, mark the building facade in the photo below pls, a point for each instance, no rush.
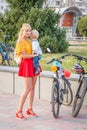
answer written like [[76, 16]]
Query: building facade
[[70, 11], [81, 4], [3, 5]]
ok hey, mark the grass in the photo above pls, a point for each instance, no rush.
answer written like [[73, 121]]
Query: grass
[[80, 50], [68, 61]]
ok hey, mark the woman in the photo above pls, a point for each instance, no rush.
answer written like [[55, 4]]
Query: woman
[[26, 70]]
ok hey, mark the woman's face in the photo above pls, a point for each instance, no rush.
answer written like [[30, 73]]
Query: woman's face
[[26, 32]]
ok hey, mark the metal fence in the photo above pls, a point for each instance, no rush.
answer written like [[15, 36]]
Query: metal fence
[[77, 38]]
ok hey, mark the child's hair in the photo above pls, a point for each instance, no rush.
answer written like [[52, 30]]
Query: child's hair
[[35, 34], [24, 26]]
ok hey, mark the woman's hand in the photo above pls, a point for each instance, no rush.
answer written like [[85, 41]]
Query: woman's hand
[[35, 55], [26, 56]]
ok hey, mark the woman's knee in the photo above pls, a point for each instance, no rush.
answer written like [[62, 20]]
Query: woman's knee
[[27, 90]]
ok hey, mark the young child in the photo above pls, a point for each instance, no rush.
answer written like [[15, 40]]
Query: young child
[[36, 50]]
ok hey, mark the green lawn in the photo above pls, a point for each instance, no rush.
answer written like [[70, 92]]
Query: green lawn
[[68, 61]]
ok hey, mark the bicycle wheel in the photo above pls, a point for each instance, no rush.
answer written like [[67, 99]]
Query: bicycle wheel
[[55, 99], [79, 97], [1, 59], [67, 95], [10, 56]]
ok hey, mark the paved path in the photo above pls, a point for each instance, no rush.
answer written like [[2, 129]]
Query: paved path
[[45, 119]]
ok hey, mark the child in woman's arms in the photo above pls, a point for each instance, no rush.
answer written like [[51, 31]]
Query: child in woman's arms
[[36, 50]]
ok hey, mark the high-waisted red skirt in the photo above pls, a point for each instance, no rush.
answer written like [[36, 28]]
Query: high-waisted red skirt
[[26, 68]]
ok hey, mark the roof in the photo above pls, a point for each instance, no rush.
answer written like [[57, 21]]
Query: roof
[[68, 9]]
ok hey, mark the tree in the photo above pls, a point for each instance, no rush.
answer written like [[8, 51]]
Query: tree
[[82, 26], [12, 20], [27, 3], [44, 20]]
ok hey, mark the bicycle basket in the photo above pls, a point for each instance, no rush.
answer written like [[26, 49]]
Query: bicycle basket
[[78, 68]]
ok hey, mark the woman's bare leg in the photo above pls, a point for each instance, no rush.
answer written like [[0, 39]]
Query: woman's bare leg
[[31, 92], [28, 85]]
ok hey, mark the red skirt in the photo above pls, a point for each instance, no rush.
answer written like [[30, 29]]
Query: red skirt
[[26, 68]]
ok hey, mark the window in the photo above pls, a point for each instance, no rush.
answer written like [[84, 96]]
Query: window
[[57, 2], [1, 7]]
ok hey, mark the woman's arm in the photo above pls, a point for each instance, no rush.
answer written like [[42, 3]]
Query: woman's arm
[[25, 56]]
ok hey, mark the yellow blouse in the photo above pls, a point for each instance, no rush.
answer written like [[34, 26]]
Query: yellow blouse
[[24, 45]]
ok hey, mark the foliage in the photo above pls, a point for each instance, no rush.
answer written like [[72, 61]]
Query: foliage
[[68, 61], [44, 20], [82, 26], [56, 43], [25, 3]]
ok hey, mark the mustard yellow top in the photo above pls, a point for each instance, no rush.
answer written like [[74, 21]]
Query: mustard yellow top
[[24, 45]]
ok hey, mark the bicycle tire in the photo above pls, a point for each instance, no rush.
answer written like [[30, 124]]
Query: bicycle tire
[[79, 97], [67, 94], [1, 59], [10, 56], [55, 100]]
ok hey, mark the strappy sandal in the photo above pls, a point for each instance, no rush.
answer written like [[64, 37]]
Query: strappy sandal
[[30, 112], [19, 116]]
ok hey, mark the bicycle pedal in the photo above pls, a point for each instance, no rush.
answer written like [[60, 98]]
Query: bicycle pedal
[[50, 102], [78, 96], [65, 92], [60, 103]]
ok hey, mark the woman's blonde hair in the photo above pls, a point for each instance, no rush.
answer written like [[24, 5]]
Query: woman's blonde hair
[[24, 26]]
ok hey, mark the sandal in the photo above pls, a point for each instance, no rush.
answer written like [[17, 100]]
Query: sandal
[[19, 115], [30, 112]]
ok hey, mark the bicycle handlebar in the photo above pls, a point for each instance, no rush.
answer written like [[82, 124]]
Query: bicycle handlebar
[[6, 47], [62, 57], [79, 57], [52, 60], [58, 59]]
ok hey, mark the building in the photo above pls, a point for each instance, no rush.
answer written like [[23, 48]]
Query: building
[[3, 5], [70, 11], [81, 4]]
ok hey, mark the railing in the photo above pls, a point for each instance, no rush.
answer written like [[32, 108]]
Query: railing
[[77, 38], [11, 83]]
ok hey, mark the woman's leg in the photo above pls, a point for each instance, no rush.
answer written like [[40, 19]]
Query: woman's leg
[[31, 92], [28, 84]]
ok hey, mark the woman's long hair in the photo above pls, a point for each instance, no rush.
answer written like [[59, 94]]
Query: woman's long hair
[[20, 34]]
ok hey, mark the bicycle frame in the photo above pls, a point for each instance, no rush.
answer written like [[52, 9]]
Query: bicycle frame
[[5, 53], [2, 52], [58, 89], [5, 56], [58, 75], [82, 86]]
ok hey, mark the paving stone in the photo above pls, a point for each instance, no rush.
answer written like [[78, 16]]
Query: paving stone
[[45, 119]]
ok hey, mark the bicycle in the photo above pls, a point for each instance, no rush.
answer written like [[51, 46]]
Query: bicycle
[[61, 87], [6, 54], [82, 85]]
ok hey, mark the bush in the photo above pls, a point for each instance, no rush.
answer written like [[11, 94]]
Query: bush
[[45, 22], [57, 43]]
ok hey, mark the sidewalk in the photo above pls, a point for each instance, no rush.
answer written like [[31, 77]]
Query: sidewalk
[[45, 119]]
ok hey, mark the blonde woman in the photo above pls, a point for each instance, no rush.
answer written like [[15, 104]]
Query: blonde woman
[[24, 51]]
